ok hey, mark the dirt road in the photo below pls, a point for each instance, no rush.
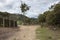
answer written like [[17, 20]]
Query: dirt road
[[25, 33], [7, 32]]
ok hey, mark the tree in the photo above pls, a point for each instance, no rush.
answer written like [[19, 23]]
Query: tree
[[41, 18], [4, 16], [24, 7], [53, 17], [50, 18], [57, 13]]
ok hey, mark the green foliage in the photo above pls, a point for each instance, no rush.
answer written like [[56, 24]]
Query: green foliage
[[51, 17], [4, 14], [41, 18], [57, 8], [34, 21], [54, 16], [26, 20], [24, 7]]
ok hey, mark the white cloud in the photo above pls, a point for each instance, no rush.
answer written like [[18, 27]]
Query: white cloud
[[1, 5], [37, 6]]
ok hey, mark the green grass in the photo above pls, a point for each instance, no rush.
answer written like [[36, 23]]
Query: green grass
[[45, 34]]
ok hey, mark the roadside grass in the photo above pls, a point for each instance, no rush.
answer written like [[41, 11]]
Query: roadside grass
[[46, 34]]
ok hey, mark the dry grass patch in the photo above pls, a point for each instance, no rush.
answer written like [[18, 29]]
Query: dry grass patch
[[47, 34]]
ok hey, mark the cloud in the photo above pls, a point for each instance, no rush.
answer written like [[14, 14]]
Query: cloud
[[40, 6], [11, 6], [37, 6]]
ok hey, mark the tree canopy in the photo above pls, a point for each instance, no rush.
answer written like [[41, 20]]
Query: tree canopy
[[24, 7], [51, 17]]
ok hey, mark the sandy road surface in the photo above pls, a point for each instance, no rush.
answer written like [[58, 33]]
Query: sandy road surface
[[7, 32], [25, 33]]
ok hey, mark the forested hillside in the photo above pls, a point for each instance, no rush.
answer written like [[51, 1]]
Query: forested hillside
[[51, 17]]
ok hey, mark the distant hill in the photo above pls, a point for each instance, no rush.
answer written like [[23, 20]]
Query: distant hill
[[19, 17]]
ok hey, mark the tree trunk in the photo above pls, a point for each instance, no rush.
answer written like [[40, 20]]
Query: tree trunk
[[14, 23], [3, 22], [9, 23]]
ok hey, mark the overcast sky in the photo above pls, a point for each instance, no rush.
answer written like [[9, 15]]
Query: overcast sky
[[37, 6]]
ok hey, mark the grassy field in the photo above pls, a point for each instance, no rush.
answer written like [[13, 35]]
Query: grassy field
[[47, 34]]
